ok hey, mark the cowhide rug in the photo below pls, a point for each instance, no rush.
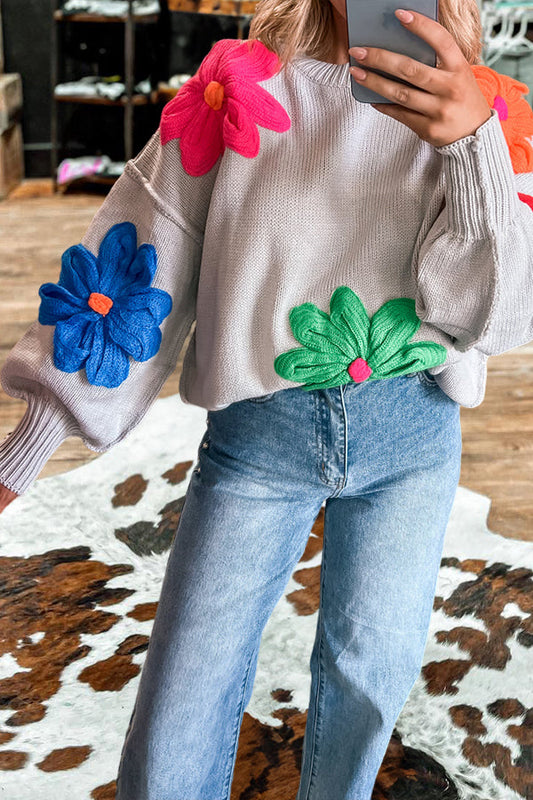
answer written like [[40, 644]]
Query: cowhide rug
[[82, 556]]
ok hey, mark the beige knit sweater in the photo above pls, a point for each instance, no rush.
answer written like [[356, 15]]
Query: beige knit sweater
[[345, 197]]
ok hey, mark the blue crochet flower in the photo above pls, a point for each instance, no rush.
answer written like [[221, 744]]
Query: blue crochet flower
[[104, 309]]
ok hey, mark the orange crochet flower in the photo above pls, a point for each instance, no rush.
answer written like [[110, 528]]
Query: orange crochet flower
[[516, 115]]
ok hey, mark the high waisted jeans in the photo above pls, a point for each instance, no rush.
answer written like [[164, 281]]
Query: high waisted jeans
[[385, 458]]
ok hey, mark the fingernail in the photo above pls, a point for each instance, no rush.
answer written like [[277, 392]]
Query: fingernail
[[359, 52], [405, 16]]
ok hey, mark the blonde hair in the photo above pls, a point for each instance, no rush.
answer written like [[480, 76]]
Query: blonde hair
[[307, 27]]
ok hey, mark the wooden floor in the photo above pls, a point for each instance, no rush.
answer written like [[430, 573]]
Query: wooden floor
[[36, 227]]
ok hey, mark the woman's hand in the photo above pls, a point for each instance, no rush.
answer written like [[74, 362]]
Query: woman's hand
[[6, 497], [451, 105]]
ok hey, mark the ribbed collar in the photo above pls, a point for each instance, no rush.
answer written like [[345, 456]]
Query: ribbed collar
[[323, 71]]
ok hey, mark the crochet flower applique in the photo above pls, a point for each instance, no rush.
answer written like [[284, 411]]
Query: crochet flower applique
[[222, 105], [345, 346], [104, 309], [515, 114]]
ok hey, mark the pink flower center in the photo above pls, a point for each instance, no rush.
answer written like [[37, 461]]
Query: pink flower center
[[359, 370], [214, 95], [100, 303], [501, 107]]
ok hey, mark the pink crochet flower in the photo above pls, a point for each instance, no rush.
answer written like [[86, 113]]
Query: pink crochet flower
[[222, 104]]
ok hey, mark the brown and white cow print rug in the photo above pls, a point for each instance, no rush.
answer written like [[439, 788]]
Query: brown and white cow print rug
[[82, 557]]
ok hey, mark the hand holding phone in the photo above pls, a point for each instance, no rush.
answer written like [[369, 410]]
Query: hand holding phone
[[442, 105], [373, 23]]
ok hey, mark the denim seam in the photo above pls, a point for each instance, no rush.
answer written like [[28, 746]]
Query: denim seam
[[341, 483], [122, 754], [232, 752], [320, 681], [345, 443], [323, 455], [318, 436], [321, 441]]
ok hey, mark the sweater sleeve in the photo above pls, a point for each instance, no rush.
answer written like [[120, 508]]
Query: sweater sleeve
[[473, 270], [110, 331]]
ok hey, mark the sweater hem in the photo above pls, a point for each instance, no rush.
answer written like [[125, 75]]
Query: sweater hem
[[40, 431]]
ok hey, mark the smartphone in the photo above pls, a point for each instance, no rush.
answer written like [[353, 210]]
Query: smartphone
[[373, 23]]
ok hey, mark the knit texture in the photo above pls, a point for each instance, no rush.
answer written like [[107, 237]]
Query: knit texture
[[222, 105], [345, 345], [343, 197], [506, 95], [103, 309]]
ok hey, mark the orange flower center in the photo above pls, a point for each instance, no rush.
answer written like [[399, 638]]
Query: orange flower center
[[100, 303], [214, 95]]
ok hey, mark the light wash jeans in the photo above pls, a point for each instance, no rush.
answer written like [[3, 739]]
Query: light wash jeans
[[385, 457]]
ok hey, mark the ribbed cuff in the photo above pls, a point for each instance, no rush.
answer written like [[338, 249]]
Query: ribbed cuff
[[481, 196], [41, 430]]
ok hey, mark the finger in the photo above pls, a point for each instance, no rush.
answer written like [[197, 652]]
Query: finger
[[440, 39], [410, 118], [416, 122], [424, 103], [422, 75]]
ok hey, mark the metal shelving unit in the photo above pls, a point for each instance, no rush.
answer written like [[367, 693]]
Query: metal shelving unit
[[128, 102]]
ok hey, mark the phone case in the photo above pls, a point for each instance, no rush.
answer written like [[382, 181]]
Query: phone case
[[373, 23]]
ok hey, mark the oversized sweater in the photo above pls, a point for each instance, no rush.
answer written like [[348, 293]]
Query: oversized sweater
[[310, 240]]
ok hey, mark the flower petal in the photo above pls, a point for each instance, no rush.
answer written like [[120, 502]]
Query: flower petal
[[155, 301], [72, 344], [181, 111], [313, 327], [521, 152], [239, 131], [211, 67], [411, 358], [79, 273], [141, 318], [349, 316], [107, 365], [527, 199], [140, 342], [260, 105], [202, 143], [141, 270], [58, 303], [251, 60], [392, 326], [316, 369], [505, 94], [116, 255]]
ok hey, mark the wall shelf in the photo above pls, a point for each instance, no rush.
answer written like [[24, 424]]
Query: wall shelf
[[60, 16], [136, 100], [128, 102]]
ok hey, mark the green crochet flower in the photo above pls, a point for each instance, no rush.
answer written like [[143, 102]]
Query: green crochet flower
[[346, 346]]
